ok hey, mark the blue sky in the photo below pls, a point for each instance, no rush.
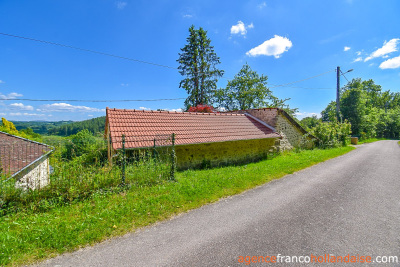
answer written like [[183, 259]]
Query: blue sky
[[285, 40]]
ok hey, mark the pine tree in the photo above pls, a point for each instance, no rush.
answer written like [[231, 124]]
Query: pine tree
[[198, 63]]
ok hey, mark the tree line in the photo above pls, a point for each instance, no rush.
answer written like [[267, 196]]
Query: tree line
[[371, 111], [94, 126]]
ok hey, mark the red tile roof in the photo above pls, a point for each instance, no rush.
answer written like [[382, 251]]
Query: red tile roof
[[16, 153], [141, 127]]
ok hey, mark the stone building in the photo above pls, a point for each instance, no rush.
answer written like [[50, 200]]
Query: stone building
[[293, 134], [215, 138], [25, 161]]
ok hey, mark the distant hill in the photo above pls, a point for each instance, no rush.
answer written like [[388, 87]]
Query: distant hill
[[95, 125], [40, 127]]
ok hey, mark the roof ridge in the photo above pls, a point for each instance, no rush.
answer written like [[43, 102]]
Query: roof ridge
[[177, 112]]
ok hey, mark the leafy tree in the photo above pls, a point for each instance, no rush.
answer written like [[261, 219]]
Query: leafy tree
[[329, 113], [248, 90], [371, 111], [81, 143], [353, 108], [198, 63], [310, 122]]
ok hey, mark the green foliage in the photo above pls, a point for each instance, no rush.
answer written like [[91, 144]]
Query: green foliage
[[40, 127], [81, 143], [198, 62], [95, 126], [353, 108], [332, 134], [9, 127], [86, 173], [371, 111], [329, 113], [310, 122], [247, 90]]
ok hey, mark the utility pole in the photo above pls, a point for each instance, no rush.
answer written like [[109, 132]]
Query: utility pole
[[338, 73], [337, 93]]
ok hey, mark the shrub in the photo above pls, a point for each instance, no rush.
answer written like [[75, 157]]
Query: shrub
[[332, 134], [202, 109]]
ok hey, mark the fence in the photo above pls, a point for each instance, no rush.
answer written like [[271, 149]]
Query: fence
[[146, 158], [81, 170]]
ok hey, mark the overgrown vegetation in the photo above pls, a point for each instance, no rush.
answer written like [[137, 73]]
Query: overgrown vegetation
[[331, 134], [33, 235], [81, 169], [372, 112]]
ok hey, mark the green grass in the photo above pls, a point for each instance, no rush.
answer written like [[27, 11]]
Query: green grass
[[371, 140], [27, 237]]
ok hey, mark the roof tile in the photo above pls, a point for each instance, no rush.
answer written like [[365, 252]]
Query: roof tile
[[142, 127]]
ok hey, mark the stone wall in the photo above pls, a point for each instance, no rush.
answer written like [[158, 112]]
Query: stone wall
[[292, 133], [36, 176], [224, 153]]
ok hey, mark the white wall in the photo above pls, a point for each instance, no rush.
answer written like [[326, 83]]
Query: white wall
[[37, 178]]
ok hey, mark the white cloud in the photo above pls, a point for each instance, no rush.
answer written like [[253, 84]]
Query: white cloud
[[387, 48], [9, 96], [358, 53], [175, 109], [357, 59], [187, 16], [20, 106], [124, 84], [240, 28], [121, 5], [1, 81], [392, 63], [273, 47], [346, 48], [143, 108], [301, 115], [262, 5], [90, 115], [372, 64], [3, 114], [64, 107], [26, 114]]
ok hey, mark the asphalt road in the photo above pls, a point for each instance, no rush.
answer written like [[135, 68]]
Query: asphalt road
[[345, 206]]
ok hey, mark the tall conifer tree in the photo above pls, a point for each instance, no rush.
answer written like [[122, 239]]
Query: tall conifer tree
[[198, 63]]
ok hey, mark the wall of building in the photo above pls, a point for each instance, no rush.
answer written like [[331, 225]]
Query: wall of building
[[292, 134], [224, 153], [36, 177]]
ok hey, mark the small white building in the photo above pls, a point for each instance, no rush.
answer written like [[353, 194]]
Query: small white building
[[24, 160]]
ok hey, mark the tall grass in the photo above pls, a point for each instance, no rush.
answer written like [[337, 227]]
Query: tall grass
[[79, 178]]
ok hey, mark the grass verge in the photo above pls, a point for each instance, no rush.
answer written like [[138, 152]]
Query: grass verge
[[371, 140], [28, 237]]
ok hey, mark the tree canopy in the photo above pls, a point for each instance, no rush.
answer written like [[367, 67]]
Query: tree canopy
[[247, 90], [371, 111], [198, 63]]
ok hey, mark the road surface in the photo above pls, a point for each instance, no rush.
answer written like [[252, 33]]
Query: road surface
[[343, 207]]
